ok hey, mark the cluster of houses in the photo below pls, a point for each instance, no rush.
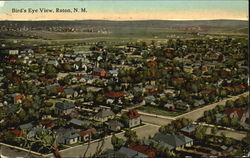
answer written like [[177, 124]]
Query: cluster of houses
[[84, 86]]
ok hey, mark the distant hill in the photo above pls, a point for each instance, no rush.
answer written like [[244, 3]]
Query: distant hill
[[142, 23]]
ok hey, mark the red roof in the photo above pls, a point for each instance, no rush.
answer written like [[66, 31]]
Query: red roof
[[153, 63], [59, 89], [239, 112], [207, 91], [47, 124], [143, 149], [133, 114], [13, 60], [240, 86], [205, 68], [18, 96], [169, 67], [87, 132], [180, 80], [229, 88], [114, 94], [17, 132]]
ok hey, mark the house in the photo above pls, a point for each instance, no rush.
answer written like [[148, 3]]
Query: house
[[240, 114], [104, 115], [17, 98], [189, 130], [130, 153], [32, 133], [150, 152], [17, 132], [26, 127], [114, 94], [171, 141], [53, 62], [79, 123], [70, 93], [198, 103], [86, 135], [113, 73], [115, 125], [169, 106], [47, 124], [99, 72], [134, 118], [181, 105], [67, 136], [149, 99], [150, 89], [64, 108]]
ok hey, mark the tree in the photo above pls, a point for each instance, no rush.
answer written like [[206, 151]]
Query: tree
[[131, 136], [200, 132], [125, 119], [117, 142], [214, 130], [225, 120], [100, 98], [50, 71], [229, 103], [234, 121]]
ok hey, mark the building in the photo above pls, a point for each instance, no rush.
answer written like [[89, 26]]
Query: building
[[170, 141], [130, 153], [189, 130], [79, 123], [169, 106], [115, 125], [67, 136], [134, 118], [64, 108], [104, 115], [86, 135], [240, 114], [99, 72], [150, 152]]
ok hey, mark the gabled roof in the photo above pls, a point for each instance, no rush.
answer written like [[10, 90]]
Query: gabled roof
[[115, 123], [87, 132], [189, 128], [240, 86], [207, 91], [168, 105], [26, 126], [80, 122], [69, 91], [132, 153], [133, 114], [239, 112], [150, 152], [65, 105], [114, 94], [104, 113], [17, 132], [98, 69], [180, 80], [171, 140]]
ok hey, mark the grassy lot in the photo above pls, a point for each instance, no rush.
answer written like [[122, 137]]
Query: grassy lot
[[155, 110]]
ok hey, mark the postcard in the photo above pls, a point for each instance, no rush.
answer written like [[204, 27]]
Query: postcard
[[124, 78]]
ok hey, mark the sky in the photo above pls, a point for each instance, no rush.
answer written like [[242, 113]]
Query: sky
[[129, 10]]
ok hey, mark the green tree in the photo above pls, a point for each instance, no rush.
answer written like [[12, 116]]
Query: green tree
[[214, 130], [50, 71], [117, 142], [125, 119], [131, 136]]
